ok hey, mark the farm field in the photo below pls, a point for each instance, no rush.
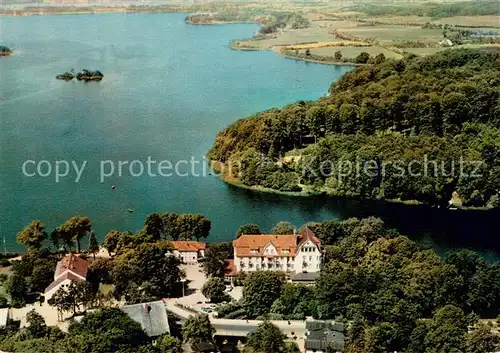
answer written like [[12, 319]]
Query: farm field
[[289, 37], [486, 21], [351, 52], [392, 34]]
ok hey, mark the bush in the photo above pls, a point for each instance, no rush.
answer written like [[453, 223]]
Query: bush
[[5, 263], [362, 58]]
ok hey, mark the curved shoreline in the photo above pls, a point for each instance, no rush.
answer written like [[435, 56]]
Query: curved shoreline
[[310, 193]]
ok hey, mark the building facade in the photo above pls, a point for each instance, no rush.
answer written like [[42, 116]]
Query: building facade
[[294, 253], [189, 252], [70, 269]]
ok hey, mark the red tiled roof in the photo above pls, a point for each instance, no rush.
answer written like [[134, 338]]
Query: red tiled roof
[[254, 245], [67, 275], [184, 246], [307, 234], [71, 263]]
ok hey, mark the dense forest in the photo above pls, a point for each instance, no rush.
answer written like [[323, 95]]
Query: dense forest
[[464, 8], [429, 128], [395, 294]]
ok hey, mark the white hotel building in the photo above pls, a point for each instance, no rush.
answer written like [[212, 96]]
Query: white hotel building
[[295, 253]]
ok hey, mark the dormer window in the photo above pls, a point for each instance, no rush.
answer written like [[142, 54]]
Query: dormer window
[[286, 251]]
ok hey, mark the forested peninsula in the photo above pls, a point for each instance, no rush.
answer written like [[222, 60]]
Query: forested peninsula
[[428, 127]]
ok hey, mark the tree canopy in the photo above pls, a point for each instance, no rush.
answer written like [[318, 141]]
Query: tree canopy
[[421, 129], [198, 329], [33, 235]]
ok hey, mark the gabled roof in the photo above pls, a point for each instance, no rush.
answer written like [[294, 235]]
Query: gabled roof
[[247, 243], [71, 263], [188, 246], [151, 316], [62, 278], [307, 234]]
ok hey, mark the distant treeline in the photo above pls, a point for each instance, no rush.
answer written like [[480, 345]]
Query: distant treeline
[[466, 8]]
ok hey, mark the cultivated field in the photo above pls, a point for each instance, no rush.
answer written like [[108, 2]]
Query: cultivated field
[[290, 37], [352, 52], [390, 34]]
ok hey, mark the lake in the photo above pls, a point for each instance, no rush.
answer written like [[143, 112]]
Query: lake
[[168, 89]]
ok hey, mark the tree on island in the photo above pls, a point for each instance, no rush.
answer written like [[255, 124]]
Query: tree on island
[[33, 235], [338, 55], [283, 228], [198, 329], [4, 51], [249, 228]]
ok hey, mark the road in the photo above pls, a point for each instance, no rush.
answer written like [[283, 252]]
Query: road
[[240, 328]]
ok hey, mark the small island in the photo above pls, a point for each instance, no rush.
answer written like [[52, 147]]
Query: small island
[[67, 76], [84, 75], [87, 75], [4, 51]]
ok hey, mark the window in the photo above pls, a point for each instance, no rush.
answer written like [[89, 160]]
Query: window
[[310, 258]]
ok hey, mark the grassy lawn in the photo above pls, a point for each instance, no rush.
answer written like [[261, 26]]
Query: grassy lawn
[[352, 52], [106, 288]]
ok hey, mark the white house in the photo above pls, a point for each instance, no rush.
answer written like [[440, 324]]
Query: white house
[[294, 253], [70, 269], [189, 251]]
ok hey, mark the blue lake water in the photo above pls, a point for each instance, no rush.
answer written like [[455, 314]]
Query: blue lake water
[[168, 89]]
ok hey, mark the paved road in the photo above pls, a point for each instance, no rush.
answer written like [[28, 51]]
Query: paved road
[[227, 327]]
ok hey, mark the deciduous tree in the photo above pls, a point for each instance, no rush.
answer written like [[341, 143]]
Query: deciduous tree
[[198, 329], [261, 289], [33, 235], [249, 228], [283, 228], [267, 339], [214, 289]]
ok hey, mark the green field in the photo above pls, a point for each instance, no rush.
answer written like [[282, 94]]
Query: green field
[[289, 37], [352, 52], [390, 34]]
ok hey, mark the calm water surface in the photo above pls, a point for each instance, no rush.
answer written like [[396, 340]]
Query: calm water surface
[[168, 89]]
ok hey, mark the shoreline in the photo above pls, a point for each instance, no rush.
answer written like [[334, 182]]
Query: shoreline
[[334, 63], [305, 193]]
